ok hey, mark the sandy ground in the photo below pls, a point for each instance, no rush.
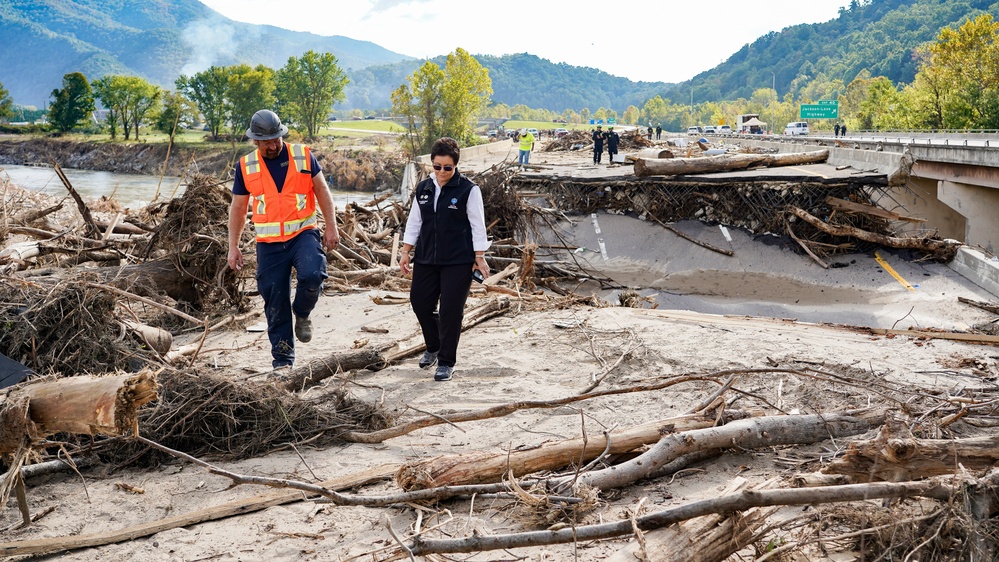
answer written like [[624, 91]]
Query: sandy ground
[[765, 307]]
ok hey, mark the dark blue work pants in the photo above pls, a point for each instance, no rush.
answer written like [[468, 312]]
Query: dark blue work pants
[[274, 262], [447, 285]]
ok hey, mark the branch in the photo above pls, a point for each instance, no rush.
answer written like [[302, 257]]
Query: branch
[[725, 504]]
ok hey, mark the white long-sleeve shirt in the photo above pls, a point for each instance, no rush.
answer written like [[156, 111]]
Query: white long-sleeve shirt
[[476, 219]]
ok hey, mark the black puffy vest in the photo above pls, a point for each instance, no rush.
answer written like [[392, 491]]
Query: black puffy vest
[[446, 235]]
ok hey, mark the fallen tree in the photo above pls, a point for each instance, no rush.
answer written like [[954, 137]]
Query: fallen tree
[[645, 167], [485, 466]]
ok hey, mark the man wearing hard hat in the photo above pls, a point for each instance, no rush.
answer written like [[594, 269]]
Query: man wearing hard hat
[[282, 184], [526, 146]]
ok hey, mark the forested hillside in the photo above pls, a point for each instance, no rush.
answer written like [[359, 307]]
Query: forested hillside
[[877, 35], [154, 39], [161, 39]]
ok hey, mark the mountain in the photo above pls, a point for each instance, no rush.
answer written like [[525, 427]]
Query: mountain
[[876, 35], [517, 79], [155, 39], [161, 39]]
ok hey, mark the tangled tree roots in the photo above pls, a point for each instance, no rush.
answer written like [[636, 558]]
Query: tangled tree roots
[[206, 414], [362, 170], [68, 328], [502, 204], [195, 235]]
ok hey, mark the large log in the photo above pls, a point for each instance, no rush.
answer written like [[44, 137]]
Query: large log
[[482, 467], [723, 163], [83, 404], [895, 456], [942, 250], [745, 434]]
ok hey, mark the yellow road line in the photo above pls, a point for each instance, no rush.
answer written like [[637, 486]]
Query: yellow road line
[[814, 173], [891, 271]]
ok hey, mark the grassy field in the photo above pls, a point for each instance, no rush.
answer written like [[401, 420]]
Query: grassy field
[[373, 125]]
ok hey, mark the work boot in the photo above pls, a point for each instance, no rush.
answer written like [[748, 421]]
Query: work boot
[[428, 359], [443, 373], [303, 329]]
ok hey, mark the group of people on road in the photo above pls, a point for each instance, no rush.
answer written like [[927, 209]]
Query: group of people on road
[[599, 138], [839, 130], [281, 186]]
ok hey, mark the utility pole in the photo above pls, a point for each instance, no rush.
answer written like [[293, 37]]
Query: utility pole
[[773, 119]]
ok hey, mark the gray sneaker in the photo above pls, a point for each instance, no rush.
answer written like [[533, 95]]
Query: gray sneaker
[[443, 373], [303, 329], [428, 359]]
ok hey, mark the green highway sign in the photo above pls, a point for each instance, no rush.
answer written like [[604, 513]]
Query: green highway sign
[[819, 111], [828, 102]]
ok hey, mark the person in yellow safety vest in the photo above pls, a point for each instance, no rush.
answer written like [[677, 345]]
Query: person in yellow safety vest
[[282, 184], [526, 146]]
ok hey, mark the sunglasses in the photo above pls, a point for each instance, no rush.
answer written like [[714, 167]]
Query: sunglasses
[[446, 168]]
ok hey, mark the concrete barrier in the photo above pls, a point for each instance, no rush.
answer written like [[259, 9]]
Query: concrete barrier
[[468, 152], [978, 268]]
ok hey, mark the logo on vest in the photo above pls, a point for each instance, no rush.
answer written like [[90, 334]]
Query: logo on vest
[[454, 203], [424, 198]]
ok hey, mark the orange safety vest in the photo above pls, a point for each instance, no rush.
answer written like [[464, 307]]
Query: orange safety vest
[[280, 215]]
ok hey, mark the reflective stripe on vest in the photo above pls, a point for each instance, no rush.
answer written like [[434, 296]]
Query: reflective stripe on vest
[[273, 229], [300, 202], [253, 162], [298, 156], [261, 206]]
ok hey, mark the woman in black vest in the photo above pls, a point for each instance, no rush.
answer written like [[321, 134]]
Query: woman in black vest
[[447, 229]]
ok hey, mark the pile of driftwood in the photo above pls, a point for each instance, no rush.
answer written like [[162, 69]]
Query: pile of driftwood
[[924, 451], [583, 140]]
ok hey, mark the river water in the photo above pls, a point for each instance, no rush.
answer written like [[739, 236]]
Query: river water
[[130, 190]]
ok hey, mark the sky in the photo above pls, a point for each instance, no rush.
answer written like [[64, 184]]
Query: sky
[[643, 40]]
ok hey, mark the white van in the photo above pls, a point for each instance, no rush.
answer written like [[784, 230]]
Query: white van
[[796, 128]]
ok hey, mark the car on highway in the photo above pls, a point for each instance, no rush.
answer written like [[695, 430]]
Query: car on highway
[[694, 130], [724, 130], [709, 130], [533, 131], [492, 133], [560, 132]]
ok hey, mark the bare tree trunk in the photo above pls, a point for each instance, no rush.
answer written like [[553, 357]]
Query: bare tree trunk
[[82, 404], [725, 162], [746, 434], [481, 467], [940, 249]]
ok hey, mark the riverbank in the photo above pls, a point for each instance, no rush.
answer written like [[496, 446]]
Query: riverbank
[[124, 158], [354, 169]]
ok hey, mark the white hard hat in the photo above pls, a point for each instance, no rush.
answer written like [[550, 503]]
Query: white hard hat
[[523, 131]]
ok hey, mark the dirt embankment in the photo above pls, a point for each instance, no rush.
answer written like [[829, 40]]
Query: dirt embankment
[[346, 170], [125, 158]]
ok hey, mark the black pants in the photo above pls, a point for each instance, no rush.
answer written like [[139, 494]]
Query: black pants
[[447, 285], [597, 155]]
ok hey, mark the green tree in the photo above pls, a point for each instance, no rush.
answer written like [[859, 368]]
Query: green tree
[[445, 102], [144, 103], [111, 92], [929, 93], [418, 101], [250, 89], [208, 89], [178, 112], [464, 94], [6, 104], [968, 59], [308, 87], [72, 103]]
